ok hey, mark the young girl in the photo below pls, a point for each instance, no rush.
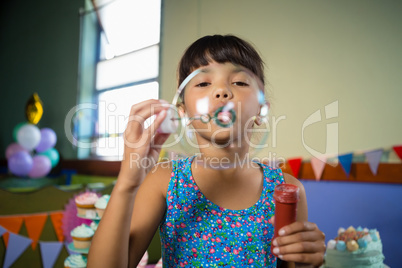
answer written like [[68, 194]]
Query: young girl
[[208, 217]]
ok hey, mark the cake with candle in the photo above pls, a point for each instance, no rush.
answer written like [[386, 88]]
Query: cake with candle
[[355, 248]]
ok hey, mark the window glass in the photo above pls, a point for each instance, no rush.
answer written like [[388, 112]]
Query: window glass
[[114, 106], [130, 25], [123, 70]]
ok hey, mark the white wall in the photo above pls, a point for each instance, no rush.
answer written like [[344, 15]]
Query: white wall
[[316, 52]]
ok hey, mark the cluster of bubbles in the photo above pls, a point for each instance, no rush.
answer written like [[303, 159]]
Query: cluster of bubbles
[[32, 153]]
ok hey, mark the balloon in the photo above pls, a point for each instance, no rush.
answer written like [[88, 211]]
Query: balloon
[[34, 109], [53, 155], [41, 166], [28, 136], [14, 148], [20, 163], [48, 139], [17, 128]]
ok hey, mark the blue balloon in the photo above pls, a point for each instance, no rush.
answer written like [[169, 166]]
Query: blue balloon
[[17, 128], [53, 155], [20, 163]]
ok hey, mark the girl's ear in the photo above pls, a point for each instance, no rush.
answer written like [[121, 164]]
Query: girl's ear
[[181, 109], [183, 114]]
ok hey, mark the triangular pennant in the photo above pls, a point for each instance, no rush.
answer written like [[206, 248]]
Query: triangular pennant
[[385, 156], [346, 162], [12, 224], [50, 252], [373, 159], [17, 244], [398, 151], [35, 224], [2, 230], [295, 164], [318, 165], [57, 220]]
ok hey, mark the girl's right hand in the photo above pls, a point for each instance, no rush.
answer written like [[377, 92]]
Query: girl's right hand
[[142, 145]]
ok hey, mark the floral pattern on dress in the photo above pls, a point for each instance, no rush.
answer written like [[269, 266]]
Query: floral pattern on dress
[[198, 233]]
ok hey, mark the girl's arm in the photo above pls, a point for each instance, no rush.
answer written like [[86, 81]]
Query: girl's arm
[[149, 208], [300, 242], [113, 239]]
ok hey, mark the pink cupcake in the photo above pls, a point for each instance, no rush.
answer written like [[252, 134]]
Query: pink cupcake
[[85, 203]]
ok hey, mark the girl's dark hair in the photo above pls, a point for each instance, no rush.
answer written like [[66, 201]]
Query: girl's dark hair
[[222, 49]]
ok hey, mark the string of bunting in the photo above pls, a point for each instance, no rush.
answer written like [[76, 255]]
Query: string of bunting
[[372, 157], [16, 244]]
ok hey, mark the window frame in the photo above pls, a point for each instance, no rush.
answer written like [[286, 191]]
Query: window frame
[[95, 136]]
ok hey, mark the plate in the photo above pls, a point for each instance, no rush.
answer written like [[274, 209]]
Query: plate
[[78, 250]]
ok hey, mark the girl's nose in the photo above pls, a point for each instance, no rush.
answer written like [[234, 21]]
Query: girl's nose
[[223, 93]]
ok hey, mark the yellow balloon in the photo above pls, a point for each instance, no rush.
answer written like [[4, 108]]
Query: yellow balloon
[[34, 109]]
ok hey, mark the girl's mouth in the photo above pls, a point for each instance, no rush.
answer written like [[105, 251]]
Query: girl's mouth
[[225, 116]]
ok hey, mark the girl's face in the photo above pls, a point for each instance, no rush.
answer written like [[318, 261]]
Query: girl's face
[[215, 86]]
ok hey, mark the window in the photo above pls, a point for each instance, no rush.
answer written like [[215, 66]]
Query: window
[[126, 69]]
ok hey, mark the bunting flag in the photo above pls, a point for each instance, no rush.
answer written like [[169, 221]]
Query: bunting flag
[[12, 224], [2, 231], [34, 224], [50, 251], [373, 159], [57, 220], [318, 165], [398, 151], [346, 162], [385, 155], [295, 164], [16, 246]]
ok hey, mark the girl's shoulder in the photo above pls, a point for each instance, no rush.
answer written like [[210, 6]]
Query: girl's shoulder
[[292, 180], [162, 172]]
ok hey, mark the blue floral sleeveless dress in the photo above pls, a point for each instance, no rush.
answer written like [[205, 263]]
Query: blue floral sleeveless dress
[[197, 233]]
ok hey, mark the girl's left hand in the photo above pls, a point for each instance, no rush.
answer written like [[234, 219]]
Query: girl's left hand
[[300, 242]]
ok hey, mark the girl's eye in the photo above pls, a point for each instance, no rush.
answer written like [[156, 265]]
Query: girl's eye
[[240, 83], [203, 84]]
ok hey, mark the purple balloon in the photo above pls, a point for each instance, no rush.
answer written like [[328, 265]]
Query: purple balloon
[[41, 166], [14, 148], [48, 140], [20, 163]]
